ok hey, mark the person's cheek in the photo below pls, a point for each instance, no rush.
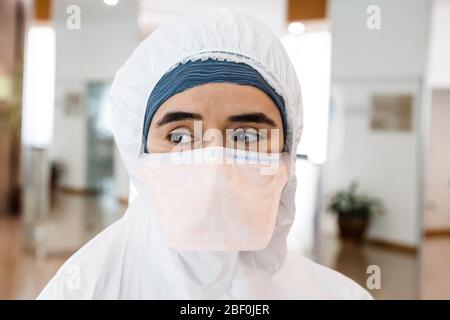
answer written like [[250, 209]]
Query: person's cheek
[[158, 144]]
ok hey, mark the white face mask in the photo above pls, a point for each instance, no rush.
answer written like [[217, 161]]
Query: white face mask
[[214, 199]]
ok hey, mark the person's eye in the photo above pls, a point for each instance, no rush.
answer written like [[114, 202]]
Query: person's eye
[[246, 136], [180, 136]]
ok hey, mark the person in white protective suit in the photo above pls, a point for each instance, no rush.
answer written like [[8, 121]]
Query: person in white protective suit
[[213, 209]]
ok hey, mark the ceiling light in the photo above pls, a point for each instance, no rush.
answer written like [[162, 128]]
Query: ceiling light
[[296, 28], [111, 2]]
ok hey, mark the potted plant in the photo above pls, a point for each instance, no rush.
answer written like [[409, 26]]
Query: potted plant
[[354, 211]]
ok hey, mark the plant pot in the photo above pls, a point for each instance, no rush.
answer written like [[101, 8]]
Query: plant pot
[[352, 227]]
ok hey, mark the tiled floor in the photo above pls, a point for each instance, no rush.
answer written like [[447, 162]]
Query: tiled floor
[[399, 270], [435, 268], [75, 219]]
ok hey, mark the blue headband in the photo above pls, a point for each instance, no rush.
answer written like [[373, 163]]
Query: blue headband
[[195, 73]]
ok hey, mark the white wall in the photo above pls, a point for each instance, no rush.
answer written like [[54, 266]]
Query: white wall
[[396, 50], [366, 62], [301, 236], [310, 53], [384, 163], [93, 53], [439, 64], [437, 174], [437, 183]]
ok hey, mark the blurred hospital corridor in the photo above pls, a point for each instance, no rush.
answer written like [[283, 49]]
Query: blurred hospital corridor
[[372, 167]]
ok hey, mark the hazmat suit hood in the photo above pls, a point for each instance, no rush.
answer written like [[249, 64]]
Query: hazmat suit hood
[[131, 258]]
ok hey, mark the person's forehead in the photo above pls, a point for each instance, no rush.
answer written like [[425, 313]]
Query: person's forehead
[[219, 98]]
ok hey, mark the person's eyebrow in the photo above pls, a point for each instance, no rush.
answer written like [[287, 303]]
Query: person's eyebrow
[[178, 116], [256, 117]]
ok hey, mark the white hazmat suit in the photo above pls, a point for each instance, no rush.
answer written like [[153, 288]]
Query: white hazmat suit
[[131, 258]]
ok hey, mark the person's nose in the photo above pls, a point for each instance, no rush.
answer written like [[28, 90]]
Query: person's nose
[[213, 137]]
